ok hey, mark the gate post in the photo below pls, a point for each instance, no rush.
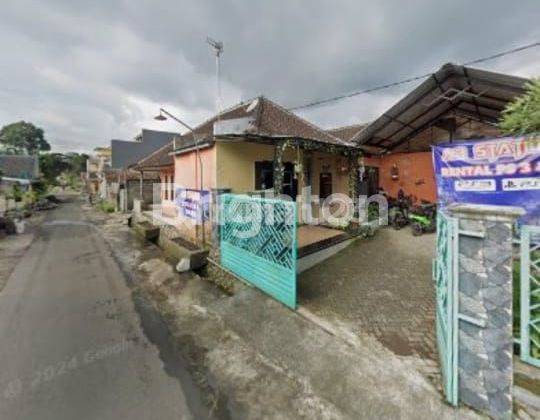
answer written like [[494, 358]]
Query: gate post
[[485, 343]]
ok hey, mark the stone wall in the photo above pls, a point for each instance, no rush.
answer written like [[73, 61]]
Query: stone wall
[[485, 342]]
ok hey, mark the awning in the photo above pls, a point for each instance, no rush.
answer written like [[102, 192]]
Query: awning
[[453, 90]]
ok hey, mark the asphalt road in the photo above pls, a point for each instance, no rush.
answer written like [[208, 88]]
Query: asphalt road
[[71, 343]]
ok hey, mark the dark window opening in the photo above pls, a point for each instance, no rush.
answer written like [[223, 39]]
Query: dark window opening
[[290, 182], [325, 185], [264, 175], [369, 185]]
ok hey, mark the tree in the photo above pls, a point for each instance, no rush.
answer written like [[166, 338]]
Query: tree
[[52, 165], [522, 116], [77, 162], [70, 165], [23, 137]]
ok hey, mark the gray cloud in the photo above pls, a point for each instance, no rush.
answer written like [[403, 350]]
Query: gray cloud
[[91, 71]]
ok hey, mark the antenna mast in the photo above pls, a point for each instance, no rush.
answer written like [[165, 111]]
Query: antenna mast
[[218, 48]]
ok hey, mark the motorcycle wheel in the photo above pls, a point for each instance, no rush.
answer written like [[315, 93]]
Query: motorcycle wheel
[[416, 229]]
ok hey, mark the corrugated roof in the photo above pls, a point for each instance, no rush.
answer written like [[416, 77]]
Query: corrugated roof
[[453, 90]]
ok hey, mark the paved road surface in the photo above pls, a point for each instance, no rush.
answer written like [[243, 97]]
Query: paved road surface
[[71, 345]]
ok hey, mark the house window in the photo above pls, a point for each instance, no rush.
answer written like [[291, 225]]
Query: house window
[[172, 187], [264, 175]]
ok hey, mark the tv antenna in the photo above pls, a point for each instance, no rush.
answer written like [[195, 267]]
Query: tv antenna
[[218, 49]]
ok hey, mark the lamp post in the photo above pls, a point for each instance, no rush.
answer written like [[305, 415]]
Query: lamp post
[[162, 116]]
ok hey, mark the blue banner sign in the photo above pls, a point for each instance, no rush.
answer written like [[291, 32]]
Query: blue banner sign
[[193, 204], [503, 171]]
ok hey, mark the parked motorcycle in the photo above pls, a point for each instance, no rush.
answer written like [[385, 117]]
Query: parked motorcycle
[[423, 219], [398, 214]]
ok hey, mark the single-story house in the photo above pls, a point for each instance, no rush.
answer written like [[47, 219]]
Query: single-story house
[[127, 153], [455, 103], [255, 147], [162, 162], [18, 169]]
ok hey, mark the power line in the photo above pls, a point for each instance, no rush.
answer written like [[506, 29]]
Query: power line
[[409, 80]]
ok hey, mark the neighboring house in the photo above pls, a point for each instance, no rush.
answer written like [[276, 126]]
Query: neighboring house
[[347, 132], [257, 147], [126, 153], [456, 103], [18, 169], [162, 162], [95, 167]]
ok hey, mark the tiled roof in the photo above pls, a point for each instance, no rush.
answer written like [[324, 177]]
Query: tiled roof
[[18, 166], [157, 159], [119, 175], [347, 132], [267, 119]]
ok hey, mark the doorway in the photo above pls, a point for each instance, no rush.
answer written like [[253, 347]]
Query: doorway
[[325, 185]]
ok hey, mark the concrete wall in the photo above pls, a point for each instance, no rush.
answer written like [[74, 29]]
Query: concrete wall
[[415, 163], [133, 191], [235, 164], [336, 165], [416, 174], [186, 169]]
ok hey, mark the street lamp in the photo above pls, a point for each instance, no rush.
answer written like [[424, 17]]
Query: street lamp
[[162, 116]]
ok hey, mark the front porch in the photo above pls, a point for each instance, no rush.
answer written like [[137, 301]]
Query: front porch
[[317, 243]]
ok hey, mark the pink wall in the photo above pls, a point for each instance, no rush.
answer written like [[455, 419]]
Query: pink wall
[[186, 169]]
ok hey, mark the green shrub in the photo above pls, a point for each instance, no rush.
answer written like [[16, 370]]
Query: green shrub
[[29, 198], [107, 206], [16, 192], [41, 188]]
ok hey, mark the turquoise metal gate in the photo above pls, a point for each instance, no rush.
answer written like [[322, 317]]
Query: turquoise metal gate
[[258, 243], [445, 276], [530, 295]]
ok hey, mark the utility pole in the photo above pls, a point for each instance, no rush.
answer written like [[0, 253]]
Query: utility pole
[[218, 49]]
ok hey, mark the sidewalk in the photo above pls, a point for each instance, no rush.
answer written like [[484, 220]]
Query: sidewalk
[[258, 359]]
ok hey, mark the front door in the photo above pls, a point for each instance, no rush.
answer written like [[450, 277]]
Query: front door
[[290, 183], [325, 185]]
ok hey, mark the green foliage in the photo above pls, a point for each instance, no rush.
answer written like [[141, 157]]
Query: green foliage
[[29, 198], [522, 116], [62, 168], [107, 206], [41, 188], [52, 165], [77, 162], [16, 192], [23, 137]]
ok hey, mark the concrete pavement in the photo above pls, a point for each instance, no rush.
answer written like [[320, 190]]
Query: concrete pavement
[[71, 343]]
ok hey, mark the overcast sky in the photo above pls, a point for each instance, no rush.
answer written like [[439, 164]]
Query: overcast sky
[[89, 71]]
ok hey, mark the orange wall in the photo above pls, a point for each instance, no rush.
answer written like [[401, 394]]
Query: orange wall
[[187, 172], [416, 176]]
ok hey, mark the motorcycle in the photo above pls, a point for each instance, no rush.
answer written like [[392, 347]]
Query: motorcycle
[[398, 214], [423, 219]]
